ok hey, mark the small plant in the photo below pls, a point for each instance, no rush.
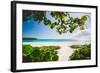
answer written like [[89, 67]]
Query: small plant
[[76, 46], [27, 50], [82, 53]]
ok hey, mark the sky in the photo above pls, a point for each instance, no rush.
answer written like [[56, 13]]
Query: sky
[[34, 29]]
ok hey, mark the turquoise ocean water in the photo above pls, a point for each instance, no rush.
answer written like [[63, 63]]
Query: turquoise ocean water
[[49, 40]]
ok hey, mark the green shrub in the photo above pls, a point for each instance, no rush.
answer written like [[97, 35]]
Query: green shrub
[[40, 54], [55, 58], [76, 46], [36, 59], [27, 50], [27, 59], [82, 53], [46, 57], [36, 52]]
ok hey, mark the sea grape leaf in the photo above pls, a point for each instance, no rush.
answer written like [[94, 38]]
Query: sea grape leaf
[[47, 22], [75, 25], [68, 21], [82, 27], [83, 18], [52, 26]]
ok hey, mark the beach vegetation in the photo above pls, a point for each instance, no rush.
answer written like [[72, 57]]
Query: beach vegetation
[[82, 53], [40, 54], [75, 46]]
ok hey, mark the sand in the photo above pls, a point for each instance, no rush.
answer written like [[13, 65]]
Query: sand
[[64, 52]]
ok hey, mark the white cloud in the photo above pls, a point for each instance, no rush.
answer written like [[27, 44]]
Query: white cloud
[[83, 35]]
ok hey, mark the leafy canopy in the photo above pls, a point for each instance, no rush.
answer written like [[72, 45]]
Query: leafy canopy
[[63, 22]]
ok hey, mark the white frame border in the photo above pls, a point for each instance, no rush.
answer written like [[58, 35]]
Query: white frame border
[[21, 65]]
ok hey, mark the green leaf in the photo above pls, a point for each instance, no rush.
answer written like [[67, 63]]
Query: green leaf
[[52, 14], [55, 58], [71, 19], [71, 30], [47, 22], [75, 20], [63, 16], [47, 57], [75, 25], [36, 52], [52, 26], [68, 21], [82, 27], [59, 30], [55, 23], [83, 18]]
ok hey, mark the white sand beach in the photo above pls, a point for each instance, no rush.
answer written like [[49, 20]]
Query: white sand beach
[[64, 52]]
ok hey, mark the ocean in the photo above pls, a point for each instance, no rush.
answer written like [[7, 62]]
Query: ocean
[[50, 40]]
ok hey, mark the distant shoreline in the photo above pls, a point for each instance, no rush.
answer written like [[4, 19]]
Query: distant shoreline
[[29, 38], [49, 39]]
